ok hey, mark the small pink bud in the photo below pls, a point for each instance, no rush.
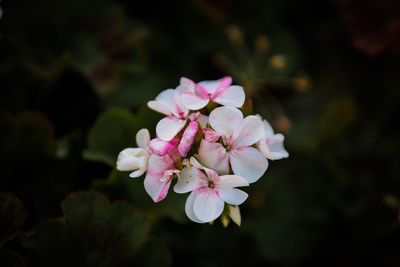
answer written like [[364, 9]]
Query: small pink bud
[[188, 138]]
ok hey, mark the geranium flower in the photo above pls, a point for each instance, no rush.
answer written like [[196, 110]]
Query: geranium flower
[[209, 191], [271, 145], [135, 159], [237, 136], [196, 96]]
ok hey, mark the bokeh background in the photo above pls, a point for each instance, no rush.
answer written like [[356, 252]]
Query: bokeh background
[[75, 77]]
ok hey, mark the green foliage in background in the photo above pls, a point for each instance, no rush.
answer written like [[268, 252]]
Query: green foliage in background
[[75, 78]]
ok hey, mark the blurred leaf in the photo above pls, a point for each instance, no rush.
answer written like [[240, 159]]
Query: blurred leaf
[[120, 186], [12, 217], [114, 130], [92, 232], [9, 258]]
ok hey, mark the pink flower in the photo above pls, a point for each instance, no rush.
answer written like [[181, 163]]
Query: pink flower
[[271, 145], [196, 96], [237, 136], [135, 159], [169, 103], [209, 192], [160, 173]]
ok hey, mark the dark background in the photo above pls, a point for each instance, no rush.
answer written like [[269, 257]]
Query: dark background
[[75, 77]]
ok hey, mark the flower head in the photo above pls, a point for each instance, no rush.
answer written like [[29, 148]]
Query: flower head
[[271, 145]]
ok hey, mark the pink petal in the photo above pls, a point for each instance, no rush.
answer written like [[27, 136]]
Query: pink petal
[[161, 147], [223, 85], [233, 96], [169, 127], [143, 138], [193, 101], [233, 196], [226, 120], [231, 181], [189, 135], [248, 163], [210, 135], [252, 131], [190, 179], [208, 206], [214, 156], [158, 164], [189, 207]]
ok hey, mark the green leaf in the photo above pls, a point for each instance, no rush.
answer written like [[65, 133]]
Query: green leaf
[[114, 130], [92, 232], [12, 216]]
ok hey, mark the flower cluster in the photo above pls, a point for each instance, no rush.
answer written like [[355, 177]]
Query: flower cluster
[[206, 144]]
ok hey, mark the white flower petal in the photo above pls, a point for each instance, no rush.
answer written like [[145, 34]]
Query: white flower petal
[[169, 127], [208, 206], [251, 132], [268, 128], [214, 156], [193, 101], [159, 107], [226, 120], [233, 196], [233, 96], [186, 85], [129, 159], [189, 207], [208, 86], [231, 181], [203, 120], [272, 147], [190, 179], [248, 163], [143, 138]]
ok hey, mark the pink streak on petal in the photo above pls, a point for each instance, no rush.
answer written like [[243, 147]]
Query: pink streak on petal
[[203, 91], [223, 85], [188, 138], [164, 191], [161, 147], [210, 135]]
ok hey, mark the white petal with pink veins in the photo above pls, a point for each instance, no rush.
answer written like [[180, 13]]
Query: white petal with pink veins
[[189, 207], [161, 147], [169, 127], [159, 107], [226, 120], [188, 138], [208, 206], [248, 163], [156, 188], [251, 132], [214, 156], [143, 138], [233, 196], [233, 96], [231, 181]]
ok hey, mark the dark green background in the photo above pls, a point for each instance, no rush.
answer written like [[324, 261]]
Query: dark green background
[[75, 77]]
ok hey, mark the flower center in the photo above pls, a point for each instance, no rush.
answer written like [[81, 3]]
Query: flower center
[[211, 184], [168, 174]]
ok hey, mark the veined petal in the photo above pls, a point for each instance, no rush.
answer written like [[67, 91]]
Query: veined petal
[[251, 132], [210, 135], [233, 196], [272, 147], [169, 127], [143, 138], [208, 206], [189, 207], [158, 164], [233, 96], [156, 187], [248, 163], [188, 138], [214, 156], [226, 120], [190, 179], [161, 147], [231, 181], [193, 101]]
